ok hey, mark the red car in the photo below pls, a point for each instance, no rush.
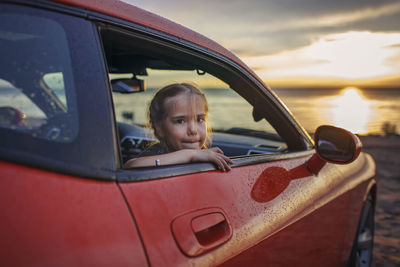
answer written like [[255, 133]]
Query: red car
[[75, 81]]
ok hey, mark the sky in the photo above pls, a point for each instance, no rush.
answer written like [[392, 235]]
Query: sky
[[296, 43]]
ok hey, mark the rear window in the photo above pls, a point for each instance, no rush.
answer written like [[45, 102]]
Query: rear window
[[37, 94]]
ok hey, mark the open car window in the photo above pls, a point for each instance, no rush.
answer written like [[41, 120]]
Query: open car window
[[230, 116], [238, 112]]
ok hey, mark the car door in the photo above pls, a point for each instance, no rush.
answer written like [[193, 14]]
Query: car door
[[209, 217], [59, 202], [268, 209]]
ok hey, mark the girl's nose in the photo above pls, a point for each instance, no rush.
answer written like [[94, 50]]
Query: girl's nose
[[192, 128]]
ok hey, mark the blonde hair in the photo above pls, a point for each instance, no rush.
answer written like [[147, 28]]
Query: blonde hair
[[157, 111]]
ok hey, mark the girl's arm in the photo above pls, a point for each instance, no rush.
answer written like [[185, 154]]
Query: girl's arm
[[214, 155]]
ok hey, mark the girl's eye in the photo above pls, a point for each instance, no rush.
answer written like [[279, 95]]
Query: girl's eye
[[200, 119], [180, 121]]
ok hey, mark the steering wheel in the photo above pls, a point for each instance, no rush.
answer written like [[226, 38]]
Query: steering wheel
[[10, 116], [133, 140], [60, 127]]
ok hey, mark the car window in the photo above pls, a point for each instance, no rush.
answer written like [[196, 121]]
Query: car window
[[232, 103], [55, 112], [37, 94], [55, 82], [233, 127], [222, 100]]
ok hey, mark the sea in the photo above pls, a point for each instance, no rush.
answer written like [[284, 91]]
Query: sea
[[364, 111]]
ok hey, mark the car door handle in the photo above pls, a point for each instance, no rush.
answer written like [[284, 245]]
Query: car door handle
[[200, 231]]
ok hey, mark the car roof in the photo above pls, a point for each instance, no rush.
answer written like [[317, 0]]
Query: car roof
[[125, 11]]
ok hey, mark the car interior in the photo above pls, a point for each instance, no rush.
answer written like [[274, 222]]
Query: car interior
[[35, 90], [138, 68]]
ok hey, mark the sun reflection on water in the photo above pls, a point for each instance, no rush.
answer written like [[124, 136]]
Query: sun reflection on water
[[350, 110]]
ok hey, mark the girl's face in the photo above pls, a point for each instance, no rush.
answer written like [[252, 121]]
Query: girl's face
[[185, 124]]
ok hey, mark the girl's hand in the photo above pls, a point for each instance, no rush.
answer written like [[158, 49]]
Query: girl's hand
[[214, 155]]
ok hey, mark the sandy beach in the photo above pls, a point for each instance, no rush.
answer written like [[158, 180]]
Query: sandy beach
[[386, 152]]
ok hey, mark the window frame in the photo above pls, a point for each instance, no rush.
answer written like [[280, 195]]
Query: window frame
[[91, 153], [301, 146]]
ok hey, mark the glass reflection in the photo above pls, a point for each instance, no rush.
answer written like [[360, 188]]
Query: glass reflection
[[334, 145], [350, 110]]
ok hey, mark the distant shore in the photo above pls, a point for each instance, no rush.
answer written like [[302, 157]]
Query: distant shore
[[386, 153]]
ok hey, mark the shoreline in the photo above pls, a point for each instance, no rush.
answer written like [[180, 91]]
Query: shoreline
[[386, 152]]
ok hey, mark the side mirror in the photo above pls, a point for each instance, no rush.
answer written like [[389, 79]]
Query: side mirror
[[128, 86], [337, 145], [334, 145]]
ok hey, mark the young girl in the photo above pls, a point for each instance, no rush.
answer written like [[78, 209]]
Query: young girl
[[178, 116]]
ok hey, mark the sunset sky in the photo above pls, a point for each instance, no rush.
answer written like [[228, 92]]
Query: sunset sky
[[294, 43]]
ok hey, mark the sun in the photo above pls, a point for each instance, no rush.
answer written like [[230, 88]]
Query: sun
[[351, 110], [350, 95]]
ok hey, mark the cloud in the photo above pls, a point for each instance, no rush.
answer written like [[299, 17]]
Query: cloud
[[272, 15], [297, 38], [267, 38], [351, 55], [333, 19]]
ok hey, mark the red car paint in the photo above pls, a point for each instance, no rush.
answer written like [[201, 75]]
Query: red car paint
[[253, 221], [54, 219], [270, 213]]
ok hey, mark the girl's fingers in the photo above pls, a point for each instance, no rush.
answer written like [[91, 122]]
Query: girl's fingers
[[216, 156], [217, 161], [223, 166], [219, 165], [222, 162], [227, 159], [217, 150]]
